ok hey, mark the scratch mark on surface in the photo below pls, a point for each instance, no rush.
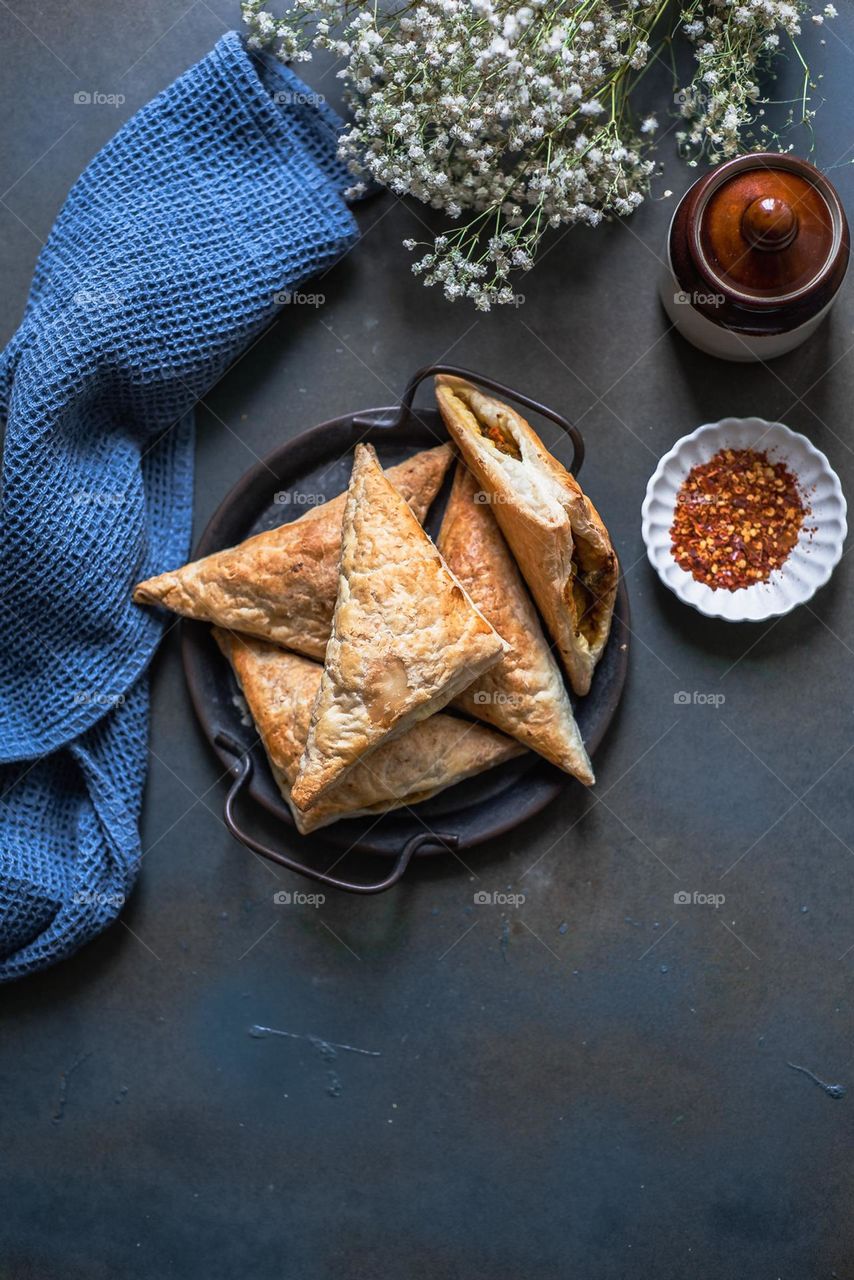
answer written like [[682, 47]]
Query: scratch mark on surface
[[328, 1049], [62, 1096], [505, 938], [832, 1090]]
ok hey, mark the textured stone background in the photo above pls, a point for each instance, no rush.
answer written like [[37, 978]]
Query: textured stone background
[[605, 1099]]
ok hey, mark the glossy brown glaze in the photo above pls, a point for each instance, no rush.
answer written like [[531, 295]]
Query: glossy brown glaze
[[769, 223], [761, 244], [766, 233]]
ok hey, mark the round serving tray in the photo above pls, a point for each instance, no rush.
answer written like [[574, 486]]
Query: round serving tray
[[312, 468]]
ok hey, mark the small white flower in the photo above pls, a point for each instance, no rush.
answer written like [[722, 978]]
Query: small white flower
[[513, 118]]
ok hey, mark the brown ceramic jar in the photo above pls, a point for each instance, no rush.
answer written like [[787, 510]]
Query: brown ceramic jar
[[756, 254]]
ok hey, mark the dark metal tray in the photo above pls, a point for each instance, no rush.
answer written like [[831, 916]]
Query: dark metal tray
[[316, 463]]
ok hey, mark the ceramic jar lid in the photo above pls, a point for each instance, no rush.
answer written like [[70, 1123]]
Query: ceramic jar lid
[[761, 243]]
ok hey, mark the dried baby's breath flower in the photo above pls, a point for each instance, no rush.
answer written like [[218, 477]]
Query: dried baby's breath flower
[[734, 44], [516, 118]]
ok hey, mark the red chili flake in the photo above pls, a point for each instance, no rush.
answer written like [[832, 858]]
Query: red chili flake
[[737, 518]]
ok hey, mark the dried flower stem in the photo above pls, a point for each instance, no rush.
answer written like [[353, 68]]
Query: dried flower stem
[[514, 119]]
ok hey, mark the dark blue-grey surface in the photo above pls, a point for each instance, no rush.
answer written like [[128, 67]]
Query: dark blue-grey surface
[[606, 1099]]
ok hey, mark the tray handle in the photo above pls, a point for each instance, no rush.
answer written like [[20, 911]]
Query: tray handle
[[553, 416], [241, 772]]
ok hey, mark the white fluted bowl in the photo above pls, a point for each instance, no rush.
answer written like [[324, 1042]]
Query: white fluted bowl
[[812, 559]]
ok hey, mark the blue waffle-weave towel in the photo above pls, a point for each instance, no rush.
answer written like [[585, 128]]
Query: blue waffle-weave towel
[[162, 266]]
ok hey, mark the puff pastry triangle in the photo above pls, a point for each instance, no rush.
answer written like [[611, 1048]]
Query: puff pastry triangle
[[523, 694], [280, 689], [281, 584], [405, 639], [554, 531]]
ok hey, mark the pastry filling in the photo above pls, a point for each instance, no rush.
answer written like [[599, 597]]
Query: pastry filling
[[502, 440], [587, 587]]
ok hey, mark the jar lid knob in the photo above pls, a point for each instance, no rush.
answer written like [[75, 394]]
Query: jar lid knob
[[769, 223]]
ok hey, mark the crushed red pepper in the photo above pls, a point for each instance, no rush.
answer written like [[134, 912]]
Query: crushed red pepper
[[737, 518]]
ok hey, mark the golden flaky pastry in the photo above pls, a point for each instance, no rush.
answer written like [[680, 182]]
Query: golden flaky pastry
[[280, 689], [281, 585], [554, 531], [405, 636], [524, 693]]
